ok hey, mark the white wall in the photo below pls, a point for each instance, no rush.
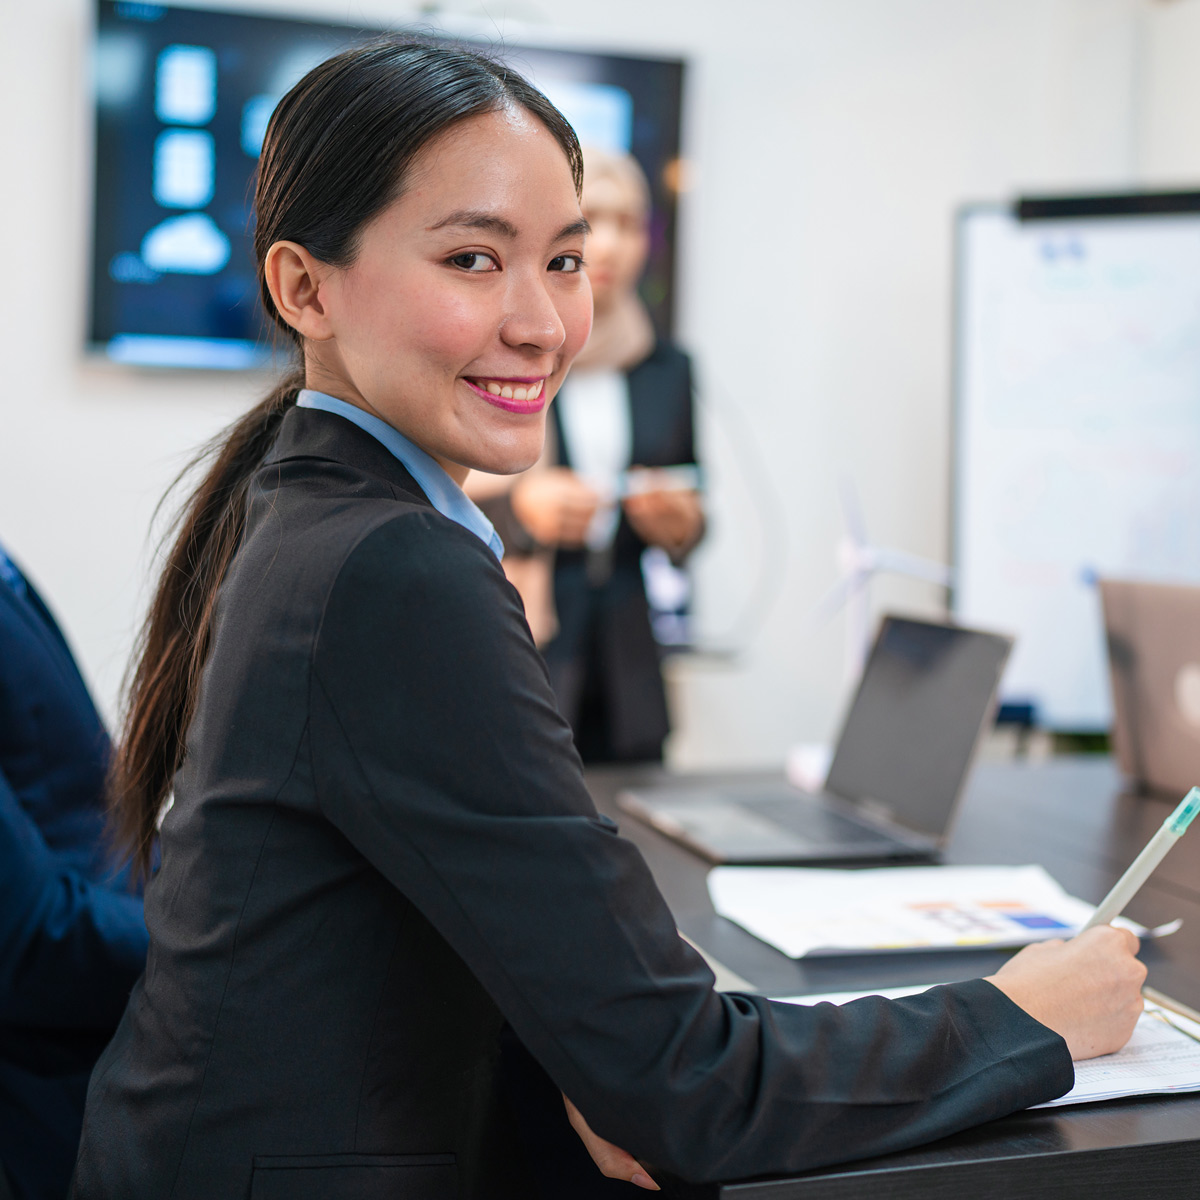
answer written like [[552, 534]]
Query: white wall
[[1169, 112], [831, 141]]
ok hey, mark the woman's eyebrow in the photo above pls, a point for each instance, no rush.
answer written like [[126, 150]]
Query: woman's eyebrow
[[472, 218], [572, 229]]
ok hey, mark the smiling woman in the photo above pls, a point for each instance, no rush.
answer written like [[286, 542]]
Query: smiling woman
[[382, 881], [456, 322]]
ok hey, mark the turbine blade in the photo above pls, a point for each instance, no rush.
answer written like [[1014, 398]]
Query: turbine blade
[[837, 596], [900, 562], [852, 511]]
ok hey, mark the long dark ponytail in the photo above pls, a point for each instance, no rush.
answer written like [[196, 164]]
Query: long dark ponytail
[[338, 150]]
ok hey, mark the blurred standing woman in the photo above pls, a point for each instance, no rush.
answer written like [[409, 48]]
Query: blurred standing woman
[[381, 848], [599, 497]]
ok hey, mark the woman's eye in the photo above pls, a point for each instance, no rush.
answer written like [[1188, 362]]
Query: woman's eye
[[474, 261], [567, 263]]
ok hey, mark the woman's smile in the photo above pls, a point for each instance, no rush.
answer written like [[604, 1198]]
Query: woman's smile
[[521, 394]]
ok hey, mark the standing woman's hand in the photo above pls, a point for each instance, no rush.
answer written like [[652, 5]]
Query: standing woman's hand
[[555, 505], [671, 518], [614, 1163]]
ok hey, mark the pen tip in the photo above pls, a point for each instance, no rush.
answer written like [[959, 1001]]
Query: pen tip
[[1189, 806]]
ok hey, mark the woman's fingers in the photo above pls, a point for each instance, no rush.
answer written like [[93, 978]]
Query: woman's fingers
[[614, 1163], [664, 518], [555, 505], [1088, 989], [575, 513]]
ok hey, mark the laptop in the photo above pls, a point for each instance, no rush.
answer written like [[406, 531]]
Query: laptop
[[1153, 635], [925, 697]]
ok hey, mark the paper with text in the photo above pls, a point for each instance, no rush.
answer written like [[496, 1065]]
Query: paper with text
[[806, 911]]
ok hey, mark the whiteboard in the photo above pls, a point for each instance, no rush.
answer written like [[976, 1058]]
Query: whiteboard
[[1077, 435]]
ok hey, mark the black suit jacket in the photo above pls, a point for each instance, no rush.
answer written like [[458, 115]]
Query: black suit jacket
[[604, 624], [382, 849]]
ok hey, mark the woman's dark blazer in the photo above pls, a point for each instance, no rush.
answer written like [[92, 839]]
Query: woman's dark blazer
[[603, 617], [382, 849], [604, 625]]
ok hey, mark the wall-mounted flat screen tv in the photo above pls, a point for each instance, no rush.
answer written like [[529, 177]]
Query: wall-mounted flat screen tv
[[183, 96]]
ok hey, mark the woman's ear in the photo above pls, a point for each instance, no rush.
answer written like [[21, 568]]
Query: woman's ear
[[294, 280]]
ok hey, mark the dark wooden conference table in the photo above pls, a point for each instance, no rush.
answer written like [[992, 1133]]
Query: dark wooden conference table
[[1074, 817]]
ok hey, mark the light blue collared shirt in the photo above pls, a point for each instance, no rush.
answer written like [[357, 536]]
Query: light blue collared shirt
[[444, 494]]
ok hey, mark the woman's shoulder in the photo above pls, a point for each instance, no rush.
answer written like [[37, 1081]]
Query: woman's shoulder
[[328, 488], [316, 527], [420, 589], [418, 551]]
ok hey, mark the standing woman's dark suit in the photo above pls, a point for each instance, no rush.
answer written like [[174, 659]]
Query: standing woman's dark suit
[[381, 850], [603, 661]]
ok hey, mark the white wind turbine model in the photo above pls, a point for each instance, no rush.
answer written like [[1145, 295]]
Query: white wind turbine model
[[858, 562]]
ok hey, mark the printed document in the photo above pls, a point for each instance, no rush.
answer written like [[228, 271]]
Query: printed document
[[807, 911]]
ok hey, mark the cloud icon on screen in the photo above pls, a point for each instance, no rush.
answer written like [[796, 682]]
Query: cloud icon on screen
[[188, 245]]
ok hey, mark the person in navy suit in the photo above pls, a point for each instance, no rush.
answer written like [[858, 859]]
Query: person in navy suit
[[72, 934]]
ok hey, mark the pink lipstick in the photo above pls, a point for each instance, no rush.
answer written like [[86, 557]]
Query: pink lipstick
[[524, 394]]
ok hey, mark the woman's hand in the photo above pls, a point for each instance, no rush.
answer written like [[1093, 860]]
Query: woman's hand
[[555, 505], [614, 1163], [668, 517], [1088, 990]]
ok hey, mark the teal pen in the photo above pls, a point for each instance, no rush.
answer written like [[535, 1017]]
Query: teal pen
[[1171, 831]]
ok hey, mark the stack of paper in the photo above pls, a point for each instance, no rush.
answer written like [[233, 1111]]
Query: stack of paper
[[1162, 1057], [806, 911]]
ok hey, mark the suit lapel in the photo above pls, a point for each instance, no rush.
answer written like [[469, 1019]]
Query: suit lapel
[[644, 417], [645, 404], [561, 456]]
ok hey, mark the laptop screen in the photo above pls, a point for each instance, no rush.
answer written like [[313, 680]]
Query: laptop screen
[[911, 730], [1153, 634]]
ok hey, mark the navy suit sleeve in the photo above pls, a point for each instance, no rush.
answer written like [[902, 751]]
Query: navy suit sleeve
[[70, 949], [439, 753]]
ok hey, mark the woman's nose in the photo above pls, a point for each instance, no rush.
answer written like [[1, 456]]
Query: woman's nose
[[533, 318]]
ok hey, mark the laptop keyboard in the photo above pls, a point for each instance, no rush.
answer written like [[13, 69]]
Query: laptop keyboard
[[814, 822], [763, 826]]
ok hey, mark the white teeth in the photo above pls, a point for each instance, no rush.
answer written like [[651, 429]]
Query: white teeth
[[509, 392]]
